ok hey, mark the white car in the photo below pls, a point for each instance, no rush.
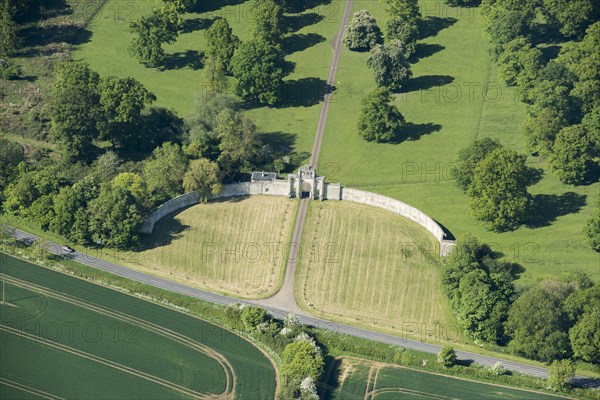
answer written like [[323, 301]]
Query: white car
[[68, 249]]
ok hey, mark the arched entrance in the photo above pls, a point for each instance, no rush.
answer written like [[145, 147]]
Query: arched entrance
[[305, 190]]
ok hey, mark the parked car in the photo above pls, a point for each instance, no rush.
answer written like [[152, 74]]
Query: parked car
[[68, 249]]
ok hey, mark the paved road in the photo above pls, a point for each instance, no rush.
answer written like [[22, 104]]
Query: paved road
[[277, 311]]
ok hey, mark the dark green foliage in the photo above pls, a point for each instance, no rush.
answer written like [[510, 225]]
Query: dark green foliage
[[252, 316], [266, 20], [537, 323], [574, 155], [505, 22], [541, 130], [164, 171], [152, 31], [469, 157], [585, 337], [573, 16], [122, 101], [221, 43], [115, 218], [302, 358], [11, 155], [380, 120], [480, 288], [362, 33], [9, 39], [31, 184], [519, 57], [389, 64], [258, 67], [498, 191], [75, 108], [592, 229]]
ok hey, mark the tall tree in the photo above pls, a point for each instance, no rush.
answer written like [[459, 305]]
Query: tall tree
[[122, 101], [380, 120], [362, 33], [161, 26], [75, 108], [9, 39], [266, 21], [402, 18], [469, 157], [537, 322], [498, 191], [574, 155], [164, 172], [389, 65], [221, 43], [239, 145], [258, 67], [592, 229], [573, 16], [203, 176]]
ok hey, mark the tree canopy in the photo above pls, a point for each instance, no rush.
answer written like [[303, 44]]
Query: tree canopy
[[362, 33], [379, 120], [389, 64]]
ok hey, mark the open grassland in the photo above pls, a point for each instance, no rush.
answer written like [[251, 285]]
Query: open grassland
[[111, 345], [365, 266], [453, 98], [235, 246], [361, 379], [307, 47]]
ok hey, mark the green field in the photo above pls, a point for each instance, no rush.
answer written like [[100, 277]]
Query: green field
[[382, 279], [111, 345], [237, 246], [307, 45], [448, 103], [360, 379]]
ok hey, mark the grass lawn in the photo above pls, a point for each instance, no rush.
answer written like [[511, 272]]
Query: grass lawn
[[382, 280], [453, 98], [237, 247], [361, 379], [307, 46], [109, 344]]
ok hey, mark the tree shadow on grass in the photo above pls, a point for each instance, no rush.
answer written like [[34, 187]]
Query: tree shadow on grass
[[196, 24], [165, 232], [333, 375], [184, 59], [301, 6], [426, 82], [424, 50], [206, 6], [293, 23], [38, 36], [413, 132], [300, 41], [546, 208], [303, 92], [431, 26], [278, 140]]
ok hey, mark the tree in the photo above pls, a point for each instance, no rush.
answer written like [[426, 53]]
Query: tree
[[134, 184], [221, 43], [75, 108], [70, 209], [446, 357], [537, 323], [30, 185], [302, 359], [161, 26], [406, 33], [379, 119], [518, 56], [573, 16], [122, 101], [469, 157], [389, 65], [403, 10], [203, 176], [541, 130], [362, 33], [216, 81], [266, 23], [583, 60], [585, 337], [573, 155], [9, 39], [115, 217], [11, 155], [503, 24], [239, 145], [258, 67], [253, 316], [498, 191], [163, 172], [592, 229], [105, 167], [560, 374]]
